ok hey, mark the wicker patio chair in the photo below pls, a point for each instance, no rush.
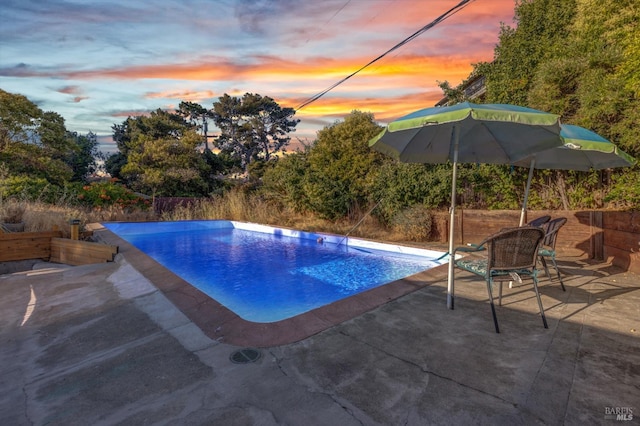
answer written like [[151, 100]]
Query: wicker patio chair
[[548, 248], [511, 255], [539, 221]]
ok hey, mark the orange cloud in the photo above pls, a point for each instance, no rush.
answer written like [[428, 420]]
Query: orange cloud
[[280, 70], [201, 71], [383, 108]]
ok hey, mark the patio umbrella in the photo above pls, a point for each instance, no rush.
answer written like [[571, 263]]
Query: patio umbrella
[[582, 150], [468, 133]]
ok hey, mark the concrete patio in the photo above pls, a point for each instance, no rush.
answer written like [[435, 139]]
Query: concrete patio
[[103, 345]]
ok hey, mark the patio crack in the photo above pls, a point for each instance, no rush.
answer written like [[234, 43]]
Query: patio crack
[[576, 362], [427, 371], [318, 391], [26, 405]]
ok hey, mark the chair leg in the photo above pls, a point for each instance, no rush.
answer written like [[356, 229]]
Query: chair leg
[[493, 308], [544, 264], [555, 265], [500, 295], [535, 287]]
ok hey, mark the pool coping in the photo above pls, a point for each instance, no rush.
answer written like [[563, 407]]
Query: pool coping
[[223, 325]]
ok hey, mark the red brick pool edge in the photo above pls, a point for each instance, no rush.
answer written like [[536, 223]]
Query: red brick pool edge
[[223, 325]]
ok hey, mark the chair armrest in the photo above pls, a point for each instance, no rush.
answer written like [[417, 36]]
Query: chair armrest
[[470, 248]]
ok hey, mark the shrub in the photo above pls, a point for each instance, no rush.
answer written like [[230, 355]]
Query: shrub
[[401, 185], [414, 223], [110, 193], [625, 190], [284, 182]]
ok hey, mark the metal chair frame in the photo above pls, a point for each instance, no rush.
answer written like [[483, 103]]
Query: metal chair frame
[[511, 255], [548, 248], [539, 221]]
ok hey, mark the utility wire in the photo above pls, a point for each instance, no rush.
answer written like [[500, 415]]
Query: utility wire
[[330, 19], [427, 27]]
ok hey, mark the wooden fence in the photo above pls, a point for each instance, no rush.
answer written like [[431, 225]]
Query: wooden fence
[[26, 245], [50, 246], [600, 234]]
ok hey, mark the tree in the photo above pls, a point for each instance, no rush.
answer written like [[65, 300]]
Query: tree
[[252, 128], [33, 142], [113, 165], [542, 25], [53, 135], [158, 124], [18, 119], [82, 159], [168, 166], [341, 166], [578, 59], [198, 116], [133, 135]]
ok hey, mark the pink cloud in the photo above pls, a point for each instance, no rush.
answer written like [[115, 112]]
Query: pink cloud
[[70, 90], [183, 95]]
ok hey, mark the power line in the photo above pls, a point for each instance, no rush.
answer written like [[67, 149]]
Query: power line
[[330, 19], [427, 27]]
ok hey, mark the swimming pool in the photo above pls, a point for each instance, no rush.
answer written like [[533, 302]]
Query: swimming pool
[[267, 274]]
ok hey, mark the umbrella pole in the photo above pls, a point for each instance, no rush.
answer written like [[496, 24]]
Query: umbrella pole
[[452, 214], [526, 191]]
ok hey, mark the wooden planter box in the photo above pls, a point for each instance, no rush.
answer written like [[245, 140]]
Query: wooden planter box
[[26, 245], [75, 252], [50, 246]]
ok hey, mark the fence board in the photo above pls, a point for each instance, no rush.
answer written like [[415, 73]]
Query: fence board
[[75, 252], [622, 240], [26, 245], [623, 259], [598, 234]]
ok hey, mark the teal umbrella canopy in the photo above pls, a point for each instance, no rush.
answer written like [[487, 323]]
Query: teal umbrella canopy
[[487, 133], [581, 150], [468, 133]]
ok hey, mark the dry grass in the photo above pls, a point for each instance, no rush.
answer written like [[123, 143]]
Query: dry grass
[[12, 211], [235, 205], [239, 206], [46, 217]]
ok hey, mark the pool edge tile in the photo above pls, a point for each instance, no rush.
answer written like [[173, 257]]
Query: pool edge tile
[[223, 325]]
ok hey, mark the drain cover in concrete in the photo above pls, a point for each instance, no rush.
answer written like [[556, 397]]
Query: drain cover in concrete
[[245, 356]]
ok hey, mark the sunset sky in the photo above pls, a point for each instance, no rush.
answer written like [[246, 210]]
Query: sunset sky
[[97, 62]]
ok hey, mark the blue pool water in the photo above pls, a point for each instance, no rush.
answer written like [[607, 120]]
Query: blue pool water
[[266, 274]]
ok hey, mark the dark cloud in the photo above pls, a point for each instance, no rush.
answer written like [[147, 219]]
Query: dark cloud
[[257, 16], [20, 70]]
